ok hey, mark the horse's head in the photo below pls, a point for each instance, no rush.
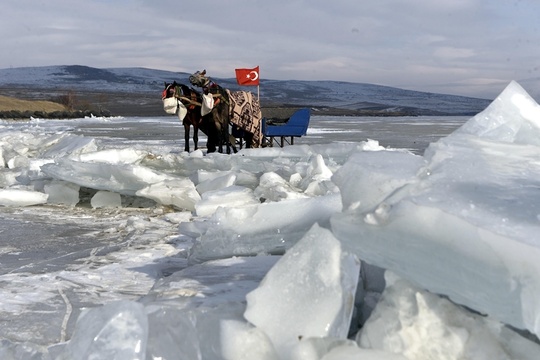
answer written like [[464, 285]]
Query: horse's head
[[199, 79], [169, 90], [173, 84]]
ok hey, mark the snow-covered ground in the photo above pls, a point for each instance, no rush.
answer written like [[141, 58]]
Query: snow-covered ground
[[351, 244]]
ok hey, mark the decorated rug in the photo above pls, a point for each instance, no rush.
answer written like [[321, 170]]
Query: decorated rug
[[245, 112]]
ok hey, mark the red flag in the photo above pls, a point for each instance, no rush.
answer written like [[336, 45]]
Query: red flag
[[247, 77]]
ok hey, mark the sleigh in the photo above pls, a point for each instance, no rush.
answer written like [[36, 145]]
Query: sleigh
[[283, 132]]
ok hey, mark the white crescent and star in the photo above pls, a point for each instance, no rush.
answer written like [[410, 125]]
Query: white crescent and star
[[253, 76]]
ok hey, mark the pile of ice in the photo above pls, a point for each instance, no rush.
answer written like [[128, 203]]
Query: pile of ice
[[290, 245]]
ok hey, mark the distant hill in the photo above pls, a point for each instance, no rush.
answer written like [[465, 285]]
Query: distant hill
[[8, 103], [137, 91]]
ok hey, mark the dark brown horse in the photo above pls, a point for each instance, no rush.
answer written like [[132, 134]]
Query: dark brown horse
[[191, 99], [219, 112]]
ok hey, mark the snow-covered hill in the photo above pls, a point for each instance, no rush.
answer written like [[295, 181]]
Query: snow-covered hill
[[334, 94]]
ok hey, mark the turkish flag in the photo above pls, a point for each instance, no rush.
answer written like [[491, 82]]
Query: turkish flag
[[247, 77]]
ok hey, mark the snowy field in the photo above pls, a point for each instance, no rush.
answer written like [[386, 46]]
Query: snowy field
[[370, 238]]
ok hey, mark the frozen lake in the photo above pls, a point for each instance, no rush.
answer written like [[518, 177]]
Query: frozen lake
[[67, 238], [43, 247], [414, 133]]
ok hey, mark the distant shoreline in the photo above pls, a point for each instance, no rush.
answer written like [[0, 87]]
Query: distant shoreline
[[108, 103]]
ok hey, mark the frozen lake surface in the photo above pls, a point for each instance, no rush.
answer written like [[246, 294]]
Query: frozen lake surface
[[414, 133], [44, 240], [66, 237], [116, 243]]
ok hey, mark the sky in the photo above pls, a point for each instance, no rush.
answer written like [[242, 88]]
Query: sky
[[463, 47]]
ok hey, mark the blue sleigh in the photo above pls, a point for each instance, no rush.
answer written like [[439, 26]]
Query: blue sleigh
[[285, 132]]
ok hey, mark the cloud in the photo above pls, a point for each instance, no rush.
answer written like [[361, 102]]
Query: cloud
[[418, 44], [448, 52]]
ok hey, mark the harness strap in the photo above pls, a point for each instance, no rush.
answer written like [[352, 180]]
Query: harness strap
[[188, 100]]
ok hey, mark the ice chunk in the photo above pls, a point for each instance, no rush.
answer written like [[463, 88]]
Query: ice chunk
[[106, 199], [421, 325], [317, 169], [308, 293], [297, 151], [271, 227], [114, 156], [185, 309], [449, 256], [16, 351], [468, 226], [246, 179], [367, 178], [9, 177], [21, 197], [18, 162], [204, 175], [180, 193], [320, 188], [61, 192], [173, 334], [125, 179], [274, 188], [232, 196], [356, 353], [187, 334], [197, 154], [315, 348], [118, 330], [216, 183], [179, 217], [317, 178], [212, 283], [2, 161], [338, 349], [241, 341], [512, 117], [368, 291], [68, 145]]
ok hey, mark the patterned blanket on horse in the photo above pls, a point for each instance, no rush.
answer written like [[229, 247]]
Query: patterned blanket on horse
[[245, 112]]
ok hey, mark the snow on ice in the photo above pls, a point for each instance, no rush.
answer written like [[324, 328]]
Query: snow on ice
[[334, 251]]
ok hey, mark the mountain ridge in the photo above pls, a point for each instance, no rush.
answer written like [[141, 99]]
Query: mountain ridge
[[125, 89]]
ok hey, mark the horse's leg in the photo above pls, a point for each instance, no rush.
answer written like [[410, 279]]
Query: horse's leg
[[222, 138], [211, 132], [217, 123], [227, 140], [186, 135], [193, 120], [248, 137], [211, 144], [221, 118], [196, 135], [220, 143], [231, 141]]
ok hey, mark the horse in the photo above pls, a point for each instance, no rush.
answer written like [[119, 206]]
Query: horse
[[192, 100], [219, 109], [239, 108]]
